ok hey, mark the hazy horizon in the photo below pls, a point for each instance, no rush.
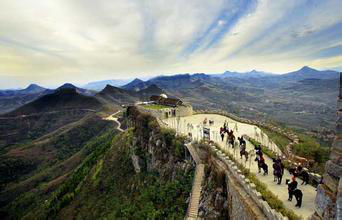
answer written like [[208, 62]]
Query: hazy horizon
[[144, 78]]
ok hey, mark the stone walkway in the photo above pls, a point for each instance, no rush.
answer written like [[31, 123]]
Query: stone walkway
[[194, 125], [192, 212]]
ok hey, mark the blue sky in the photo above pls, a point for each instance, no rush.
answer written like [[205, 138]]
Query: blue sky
[[55, 41]]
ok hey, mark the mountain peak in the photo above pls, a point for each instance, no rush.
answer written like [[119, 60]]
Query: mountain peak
[[137, 80], [33, 86], [307, 68], [111, 89], [62, 91], [67, 86]]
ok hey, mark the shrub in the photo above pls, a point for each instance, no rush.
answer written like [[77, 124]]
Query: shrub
[[280, 140]]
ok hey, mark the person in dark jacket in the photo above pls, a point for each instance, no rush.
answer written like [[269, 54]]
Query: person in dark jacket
[[293, 191], [258, 150], [303, 174], [243, 148], [222, 133], [276, 171], [261, 164], [292, 186], [282, 168]]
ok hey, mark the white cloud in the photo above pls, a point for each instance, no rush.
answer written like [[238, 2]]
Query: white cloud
[[54, 41]]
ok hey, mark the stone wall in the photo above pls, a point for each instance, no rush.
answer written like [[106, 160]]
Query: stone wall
[[223, 197], [245, 191], [181, 111], [328, 204], [184, 110], [155, 113], [243, 200]]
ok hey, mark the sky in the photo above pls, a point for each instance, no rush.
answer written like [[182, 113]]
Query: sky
[[55, 41]]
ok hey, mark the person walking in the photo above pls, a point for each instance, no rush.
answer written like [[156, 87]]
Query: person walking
[[282, 168], [258, 150], [292, 186], [222, 133]]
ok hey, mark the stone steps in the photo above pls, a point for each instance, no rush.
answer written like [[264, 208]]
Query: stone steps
[[192, 212], [196, 192]]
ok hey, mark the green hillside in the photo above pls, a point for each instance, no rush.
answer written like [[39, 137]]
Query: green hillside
[[87, 172]]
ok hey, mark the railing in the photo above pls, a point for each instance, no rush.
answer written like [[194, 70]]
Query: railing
[[291, 136]]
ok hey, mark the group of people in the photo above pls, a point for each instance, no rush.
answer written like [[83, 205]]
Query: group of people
[[278, 166], [230, 134], [231, 140], [278, 172]]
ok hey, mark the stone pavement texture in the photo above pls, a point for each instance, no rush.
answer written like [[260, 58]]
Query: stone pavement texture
[[194, 124]]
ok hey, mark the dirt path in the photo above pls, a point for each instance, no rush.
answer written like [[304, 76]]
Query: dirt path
[[113, 118]]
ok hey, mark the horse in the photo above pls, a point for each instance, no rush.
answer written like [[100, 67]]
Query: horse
[[231, 139], [205, 121], [243, 148], [303, 174], [243, 152], [261, 164], [277, 171], [211, 122]]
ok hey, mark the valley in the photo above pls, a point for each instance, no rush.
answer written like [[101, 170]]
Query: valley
[[59, 151]]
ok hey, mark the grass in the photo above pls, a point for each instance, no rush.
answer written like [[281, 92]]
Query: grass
[[155, 106], [309, 148], [280, 140]]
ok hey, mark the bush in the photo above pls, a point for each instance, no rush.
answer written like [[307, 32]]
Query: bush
[[280, 140]]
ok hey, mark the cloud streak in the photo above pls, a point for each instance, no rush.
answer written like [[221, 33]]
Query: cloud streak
[[51, 42]]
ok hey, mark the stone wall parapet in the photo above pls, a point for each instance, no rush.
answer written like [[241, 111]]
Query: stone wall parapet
[[250, 188]]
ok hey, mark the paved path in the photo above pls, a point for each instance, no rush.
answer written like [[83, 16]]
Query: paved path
[[240, 129], [192, 212], [112, 118]]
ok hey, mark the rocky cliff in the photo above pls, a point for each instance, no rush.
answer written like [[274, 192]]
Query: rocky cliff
[[157, 149]]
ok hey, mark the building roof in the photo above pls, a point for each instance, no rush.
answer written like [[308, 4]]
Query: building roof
[[155, 98], [170, 102], [166, 101]]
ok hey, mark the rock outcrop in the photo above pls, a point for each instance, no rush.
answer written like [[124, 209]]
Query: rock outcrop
[[214, 198], [157, 149]]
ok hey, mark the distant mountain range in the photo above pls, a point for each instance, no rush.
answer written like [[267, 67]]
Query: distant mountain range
[[187, 79], [251, 74], [233, 91], [12, 99], [31, 89], [79, 90], [122, 96], [62, 98], [310, 73], [99, 85], [255, 94]]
